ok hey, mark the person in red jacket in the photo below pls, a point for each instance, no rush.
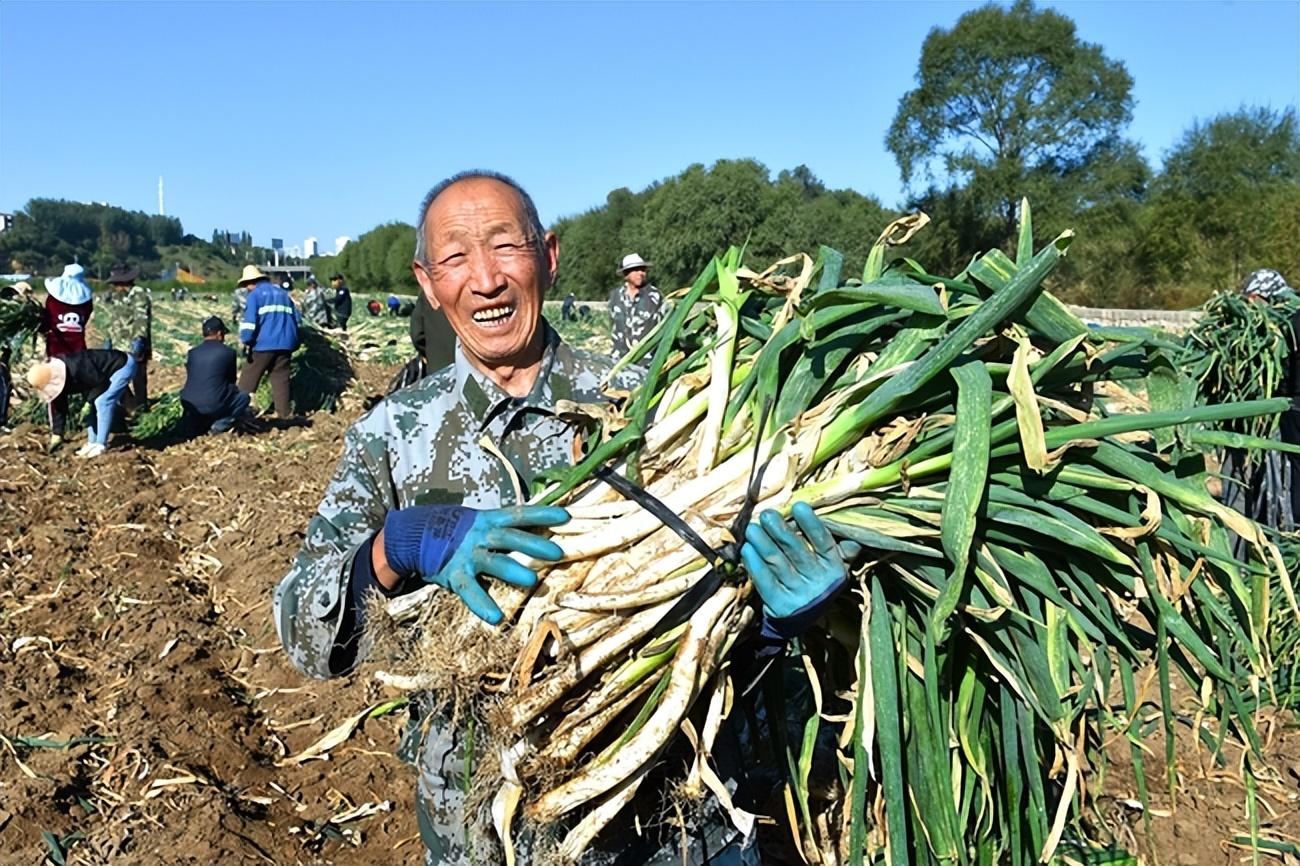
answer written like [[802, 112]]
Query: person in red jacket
[[67, 310]]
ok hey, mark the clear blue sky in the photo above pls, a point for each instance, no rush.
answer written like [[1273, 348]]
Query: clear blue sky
[[294, 119]]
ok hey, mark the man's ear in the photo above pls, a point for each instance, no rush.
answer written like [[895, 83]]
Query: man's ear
[[551, 250], [426, 284]]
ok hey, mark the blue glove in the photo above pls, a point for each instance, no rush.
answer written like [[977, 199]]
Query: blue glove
[[450, 545], [138, 347], [795, 576]]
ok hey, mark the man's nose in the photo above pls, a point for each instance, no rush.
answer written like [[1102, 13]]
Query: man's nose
[[485, 272]]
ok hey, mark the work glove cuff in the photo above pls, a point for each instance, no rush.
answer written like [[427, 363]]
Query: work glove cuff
[[794, 624], [421, 539]]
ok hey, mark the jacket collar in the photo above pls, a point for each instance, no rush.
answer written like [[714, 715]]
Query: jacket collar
[[485, 399]]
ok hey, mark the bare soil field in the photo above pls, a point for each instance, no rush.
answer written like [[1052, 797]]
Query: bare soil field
[[148, 716]]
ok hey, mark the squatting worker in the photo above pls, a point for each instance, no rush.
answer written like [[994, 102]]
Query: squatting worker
[[126, 320], [635, 305], [417, 499], [270, 331], [210, 401], [100, 374]]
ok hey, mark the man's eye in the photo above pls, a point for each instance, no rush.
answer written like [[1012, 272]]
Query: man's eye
[[453, 259]]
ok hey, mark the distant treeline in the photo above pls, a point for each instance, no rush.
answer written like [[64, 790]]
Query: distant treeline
[[1226, 201], [50, 233]]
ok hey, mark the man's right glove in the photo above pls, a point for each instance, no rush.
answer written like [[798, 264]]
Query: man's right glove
[[450, 545]]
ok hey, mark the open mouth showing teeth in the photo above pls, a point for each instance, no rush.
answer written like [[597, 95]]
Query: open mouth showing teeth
[[495, 315]]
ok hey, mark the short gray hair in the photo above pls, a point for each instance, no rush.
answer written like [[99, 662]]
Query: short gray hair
[[530, 209]]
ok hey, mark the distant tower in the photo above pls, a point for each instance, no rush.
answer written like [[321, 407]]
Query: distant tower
[[340, 243], [161, 211], [311, 247]]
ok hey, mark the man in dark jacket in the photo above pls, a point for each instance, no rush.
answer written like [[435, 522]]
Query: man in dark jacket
[[431, 335], [101, 374], [270, 331], [210, 400], [342, 301]]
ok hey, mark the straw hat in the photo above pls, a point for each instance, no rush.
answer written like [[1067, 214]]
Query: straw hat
[[252, 274], [631, 262], [47, 378]]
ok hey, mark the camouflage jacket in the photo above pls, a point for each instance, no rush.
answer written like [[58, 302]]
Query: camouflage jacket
[[420, 446], [632, 318], [316, 308], [238, 301], [123, 316]]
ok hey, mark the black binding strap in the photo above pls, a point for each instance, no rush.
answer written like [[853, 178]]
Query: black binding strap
[[729, 553]]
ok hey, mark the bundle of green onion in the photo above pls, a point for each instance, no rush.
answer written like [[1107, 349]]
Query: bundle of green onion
[[162, 418], [19, 318], [1026, 555], [319, 373], [1239, 350]]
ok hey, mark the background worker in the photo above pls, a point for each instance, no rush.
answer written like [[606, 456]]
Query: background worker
[[210, 401], [126, 320], [270, 333], [483, 257], [431, 335], [315, 305], [635, 306], [68, 305], [101, 374], [342, 301]]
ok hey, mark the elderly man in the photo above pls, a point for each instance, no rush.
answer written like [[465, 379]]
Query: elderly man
[[635, 306], [417, 499], [126, 319]]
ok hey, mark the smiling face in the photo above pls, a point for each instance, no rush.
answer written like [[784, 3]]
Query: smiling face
[[488, 271]]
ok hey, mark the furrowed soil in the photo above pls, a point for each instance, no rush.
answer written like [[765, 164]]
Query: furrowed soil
[[148, 715]]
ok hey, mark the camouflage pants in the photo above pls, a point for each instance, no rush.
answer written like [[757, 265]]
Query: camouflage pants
[[454, 838]]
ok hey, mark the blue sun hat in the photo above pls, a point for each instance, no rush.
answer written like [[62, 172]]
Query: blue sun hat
[[70, 287], [1266, 284]]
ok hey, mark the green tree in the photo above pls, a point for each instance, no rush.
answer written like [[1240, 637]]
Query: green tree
[[1011, 103], [1225, 204]]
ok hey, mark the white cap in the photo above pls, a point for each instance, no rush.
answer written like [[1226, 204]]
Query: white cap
[[631, 262]]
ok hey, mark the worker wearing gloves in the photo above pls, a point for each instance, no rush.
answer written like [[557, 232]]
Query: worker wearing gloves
[[101, 374], [406, 508]]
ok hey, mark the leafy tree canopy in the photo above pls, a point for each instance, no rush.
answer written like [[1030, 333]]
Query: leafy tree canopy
[[680, 223], [377, 262], [1010, 103]]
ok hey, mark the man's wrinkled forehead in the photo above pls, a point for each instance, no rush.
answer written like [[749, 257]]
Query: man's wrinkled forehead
[[476, 207]]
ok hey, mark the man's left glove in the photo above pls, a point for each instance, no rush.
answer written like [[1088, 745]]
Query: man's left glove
[[450, 545], [797, 575], [140, 349]]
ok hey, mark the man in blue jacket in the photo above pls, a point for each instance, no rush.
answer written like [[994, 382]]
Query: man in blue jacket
[[270, 331]]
